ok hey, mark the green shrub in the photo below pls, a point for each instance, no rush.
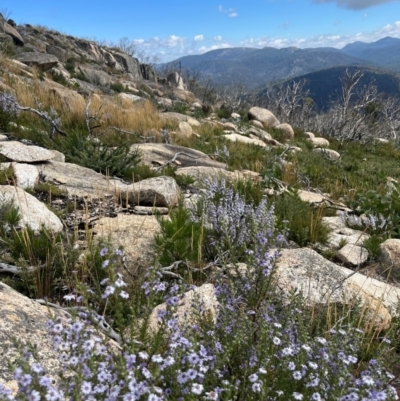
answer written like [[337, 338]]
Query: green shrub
[[114, 161], [223, 112], [180, 238], [118, 87], [59, 78], [382, 210], [302, 222], [373, 246]]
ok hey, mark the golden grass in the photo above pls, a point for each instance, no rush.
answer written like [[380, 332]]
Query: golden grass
[[110, 111]]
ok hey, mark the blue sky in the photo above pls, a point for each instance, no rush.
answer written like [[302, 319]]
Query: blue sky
[[170, 29]]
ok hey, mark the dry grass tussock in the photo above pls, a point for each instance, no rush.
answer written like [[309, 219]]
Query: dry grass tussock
[[108, 111]]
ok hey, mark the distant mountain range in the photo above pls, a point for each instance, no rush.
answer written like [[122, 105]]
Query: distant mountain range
[[324, 86], [257, 68]]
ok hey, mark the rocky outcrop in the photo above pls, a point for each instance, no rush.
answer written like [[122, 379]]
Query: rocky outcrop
[[130, 64], [174, 79], [11, 31], [41, 60]]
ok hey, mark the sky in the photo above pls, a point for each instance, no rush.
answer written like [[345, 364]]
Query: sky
[[169, 29]]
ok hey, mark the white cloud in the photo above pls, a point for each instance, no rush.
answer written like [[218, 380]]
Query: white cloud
[[204, 49], [174, 46], [231, 12]]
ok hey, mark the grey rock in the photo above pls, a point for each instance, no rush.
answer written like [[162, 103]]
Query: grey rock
[[287, 131], [245, 139], [353, 255], [26, 175], [5, 39], [33, 212], [157, 191], [322, 281], [174, 79], [129, 64], [264, 116], [24, 319], [135, 233], [83, 182], [19, 152], [201, 298], [41, 60], [391, 257], [328, 153], [58, 52], [318, 142], [347, 235], [159, 154], [11, 31]]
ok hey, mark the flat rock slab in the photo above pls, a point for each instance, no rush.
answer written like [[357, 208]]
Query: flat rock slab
[[180, 117], [80, 181], [245, 139], [33, 212], [159, 154], [19, 152], [42, 60], [200, 173], [322, 281], [134, 233], [83, 182]]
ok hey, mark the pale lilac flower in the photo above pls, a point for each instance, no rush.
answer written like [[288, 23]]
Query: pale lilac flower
[[86, 387], [276, 340], [297, 396], [197, 388], [253, 378], [297, 375]]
